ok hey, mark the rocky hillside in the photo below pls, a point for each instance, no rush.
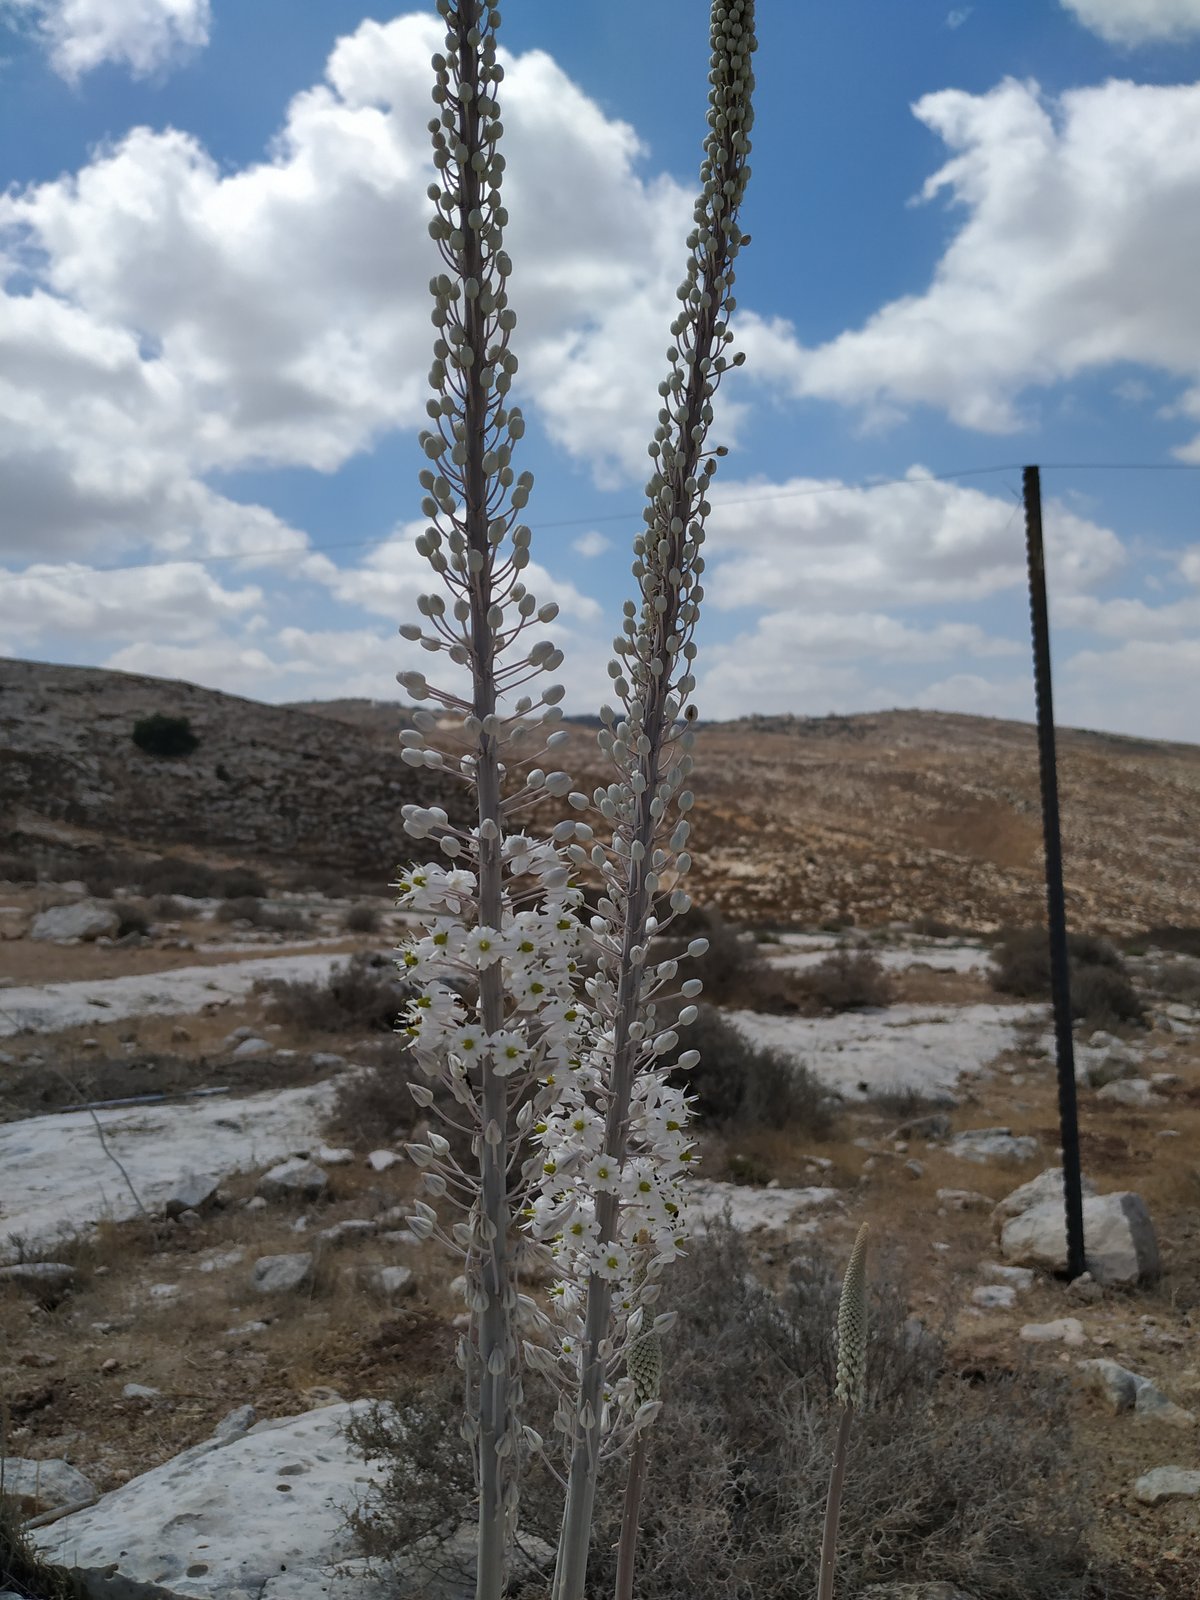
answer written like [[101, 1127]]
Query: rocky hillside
[[265, 783], [876, 818], [902, 814]]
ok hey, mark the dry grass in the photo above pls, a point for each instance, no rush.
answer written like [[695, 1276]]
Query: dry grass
[[62, 1370]]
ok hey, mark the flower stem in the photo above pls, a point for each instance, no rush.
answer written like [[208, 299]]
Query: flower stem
[[630, 1515], [833, 1505]]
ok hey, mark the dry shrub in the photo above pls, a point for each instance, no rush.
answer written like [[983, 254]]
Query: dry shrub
[[326, 881], [933, 928], [374, 1106], [134, 917], [739, 1085], [364, 994], [247, 908], [239, 881], [847, 980], [167, 909], [1178, 981], [726, 967], [104, 875], [173, 875], [1180, 940], [1101, 992], [969, 1485], [362, 918], [23, 1568], [429, 1478], [18, 869]]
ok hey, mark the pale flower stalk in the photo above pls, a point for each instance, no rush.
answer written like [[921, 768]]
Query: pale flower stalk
[[850, 1392], [560, 1092], [494, 968], [637, 1130]]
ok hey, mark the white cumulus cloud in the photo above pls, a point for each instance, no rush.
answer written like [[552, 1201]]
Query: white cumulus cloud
[[1077, 251], [1134, 22], [146, 36]]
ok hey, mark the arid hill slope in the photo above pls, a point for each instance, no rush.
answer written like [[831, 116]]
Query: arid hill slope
[[266, 783], [898, 814], [873, 818]]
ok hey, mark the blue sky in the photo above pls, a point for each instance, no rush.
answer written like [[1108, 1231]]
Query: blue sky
[[975, 244]]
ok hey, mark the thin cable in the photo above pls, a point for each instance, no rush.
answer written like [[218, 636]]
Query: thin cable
[[285, 552]]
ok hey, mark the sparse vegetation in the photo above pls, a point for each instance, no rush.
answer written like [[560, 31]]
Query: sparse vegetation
[[847, 980], [134, 918], [22, 1567], [18, 869], [730, 962], [365, 994], [1177, 981], [739, 1085], [1179, 940], [1101, 992], [364, 917], [175, 875], [951, 1482], [162, 735], [248, 908]]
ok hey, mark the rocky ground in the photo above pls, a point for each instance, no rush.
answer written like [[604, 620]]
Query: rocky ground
[[204, 1268], [185, 1273]]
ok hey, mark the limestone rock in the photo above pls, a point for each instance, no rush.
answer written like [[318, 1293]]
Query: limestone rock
[[236, 1423], [992, 1144], [1167, 1483], [282, 1274], [994, 1296], [86, 919], [1047, 1185], [1115, 1384], [45, 1280], [43, 1485], [192, 1193], [391, 1282], [1119, 1239], [1151, 1405], [963, 1200], [381, 1160], [263, 1514], [298, 1177], [140, 1391], [1065, 1330], [250, 1048], [1018, 1278], [1129, 1092], [1115, 1064]]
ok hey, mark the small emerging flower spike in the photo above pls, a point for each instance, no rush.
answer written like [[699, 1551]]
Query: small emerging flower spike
[[852, 1328]]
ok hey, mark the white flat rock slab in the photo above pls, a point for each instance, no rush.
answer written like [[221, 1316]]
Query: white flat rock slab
[[58, 1180], [860, 1053], [941, 958], [47, 1007], [750, 1208], [228, 1518]]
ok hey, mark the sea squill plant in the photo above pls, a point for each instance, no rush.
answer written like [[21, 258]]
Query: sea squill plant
[[557, 1084], [850, 1393]]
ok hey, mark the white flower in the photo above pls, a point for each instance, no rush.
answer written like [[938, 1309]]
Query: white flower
[[509, 1051], [483, 946], [610, 1261], [603, 1174], [468, 1043]]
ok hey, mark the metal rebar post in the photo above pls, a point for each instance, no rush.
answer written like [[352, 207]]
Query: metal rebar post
[[1060, 976]]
